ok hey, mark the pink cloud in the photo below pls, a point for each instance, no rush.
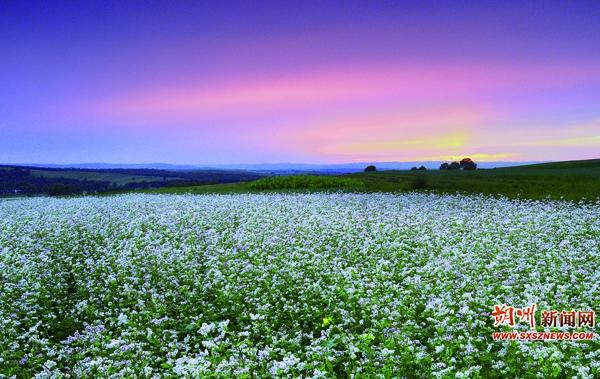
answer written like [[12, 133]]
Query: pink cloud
[[373, 113], [317, 91]]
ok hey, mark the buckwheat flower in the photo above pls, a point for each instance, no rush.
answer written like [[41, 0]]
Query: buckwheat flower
[[122, 319], [398, 262], [469, 349], [158, 321], [223, 324], [262, 355], [126, 347], [284, 365], [206, 328]]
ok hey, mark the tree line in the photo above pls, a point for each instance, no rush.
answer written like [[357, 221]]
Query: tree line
[[466, 164]]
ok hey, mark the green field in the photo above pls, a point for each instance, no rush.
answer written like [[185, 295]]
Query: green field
[[112, 177], [572, 180], [69, 181], [310, 182]]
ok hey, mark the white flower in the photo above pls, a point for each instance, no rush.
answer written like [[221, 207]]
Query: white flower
[[122, 319], [402, 276]]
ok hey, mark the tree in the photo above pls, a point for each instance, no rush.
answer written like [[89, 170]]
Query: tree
[[444, 166], [414, 168], [370, 168], [60, 189], [422, 168], [454, 166], [467, 164], [465, 161], [471, 166]]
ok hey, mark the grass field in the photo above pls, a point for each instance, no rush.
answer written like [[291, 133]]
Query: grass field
[[573, 180], [38, 181], [308, 182], [117, 178]]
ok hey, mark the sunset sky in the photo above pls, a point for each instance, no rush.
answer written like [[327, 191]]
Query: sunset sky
[[315, 82]]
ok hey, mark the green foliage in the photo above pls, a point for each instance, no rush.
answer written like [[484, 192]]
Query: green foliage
[[468, 164], [454, 166], [60, 189], [419, 182], [309, 182]]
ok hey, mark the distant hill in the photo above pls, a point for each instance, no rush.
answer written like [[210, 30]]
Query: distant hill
[[581, 164], [274, 168], [108, 166], [341, 168], [572, 180], [30, 180]]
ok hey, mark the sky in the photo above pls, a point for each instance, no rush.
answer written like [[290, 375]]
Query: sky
[[224, 82]]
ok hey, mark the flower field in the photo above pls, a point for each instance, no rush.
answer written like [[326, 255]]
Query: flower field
[[291, 285]]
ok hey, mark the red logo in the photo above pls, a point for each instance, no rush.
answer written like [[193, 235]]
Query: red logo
[[507, 315]]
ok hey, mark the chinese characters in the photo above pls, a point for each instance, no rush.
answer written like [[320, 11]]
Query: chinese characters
[[508, 315]]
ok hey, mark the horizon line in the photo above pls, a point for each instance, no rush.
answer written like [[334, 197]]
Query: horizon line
[[274, 163]]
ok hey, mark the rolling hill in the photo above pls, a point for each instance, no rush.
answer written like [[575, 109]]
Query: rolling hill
[[37, 180], [569, 180]]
